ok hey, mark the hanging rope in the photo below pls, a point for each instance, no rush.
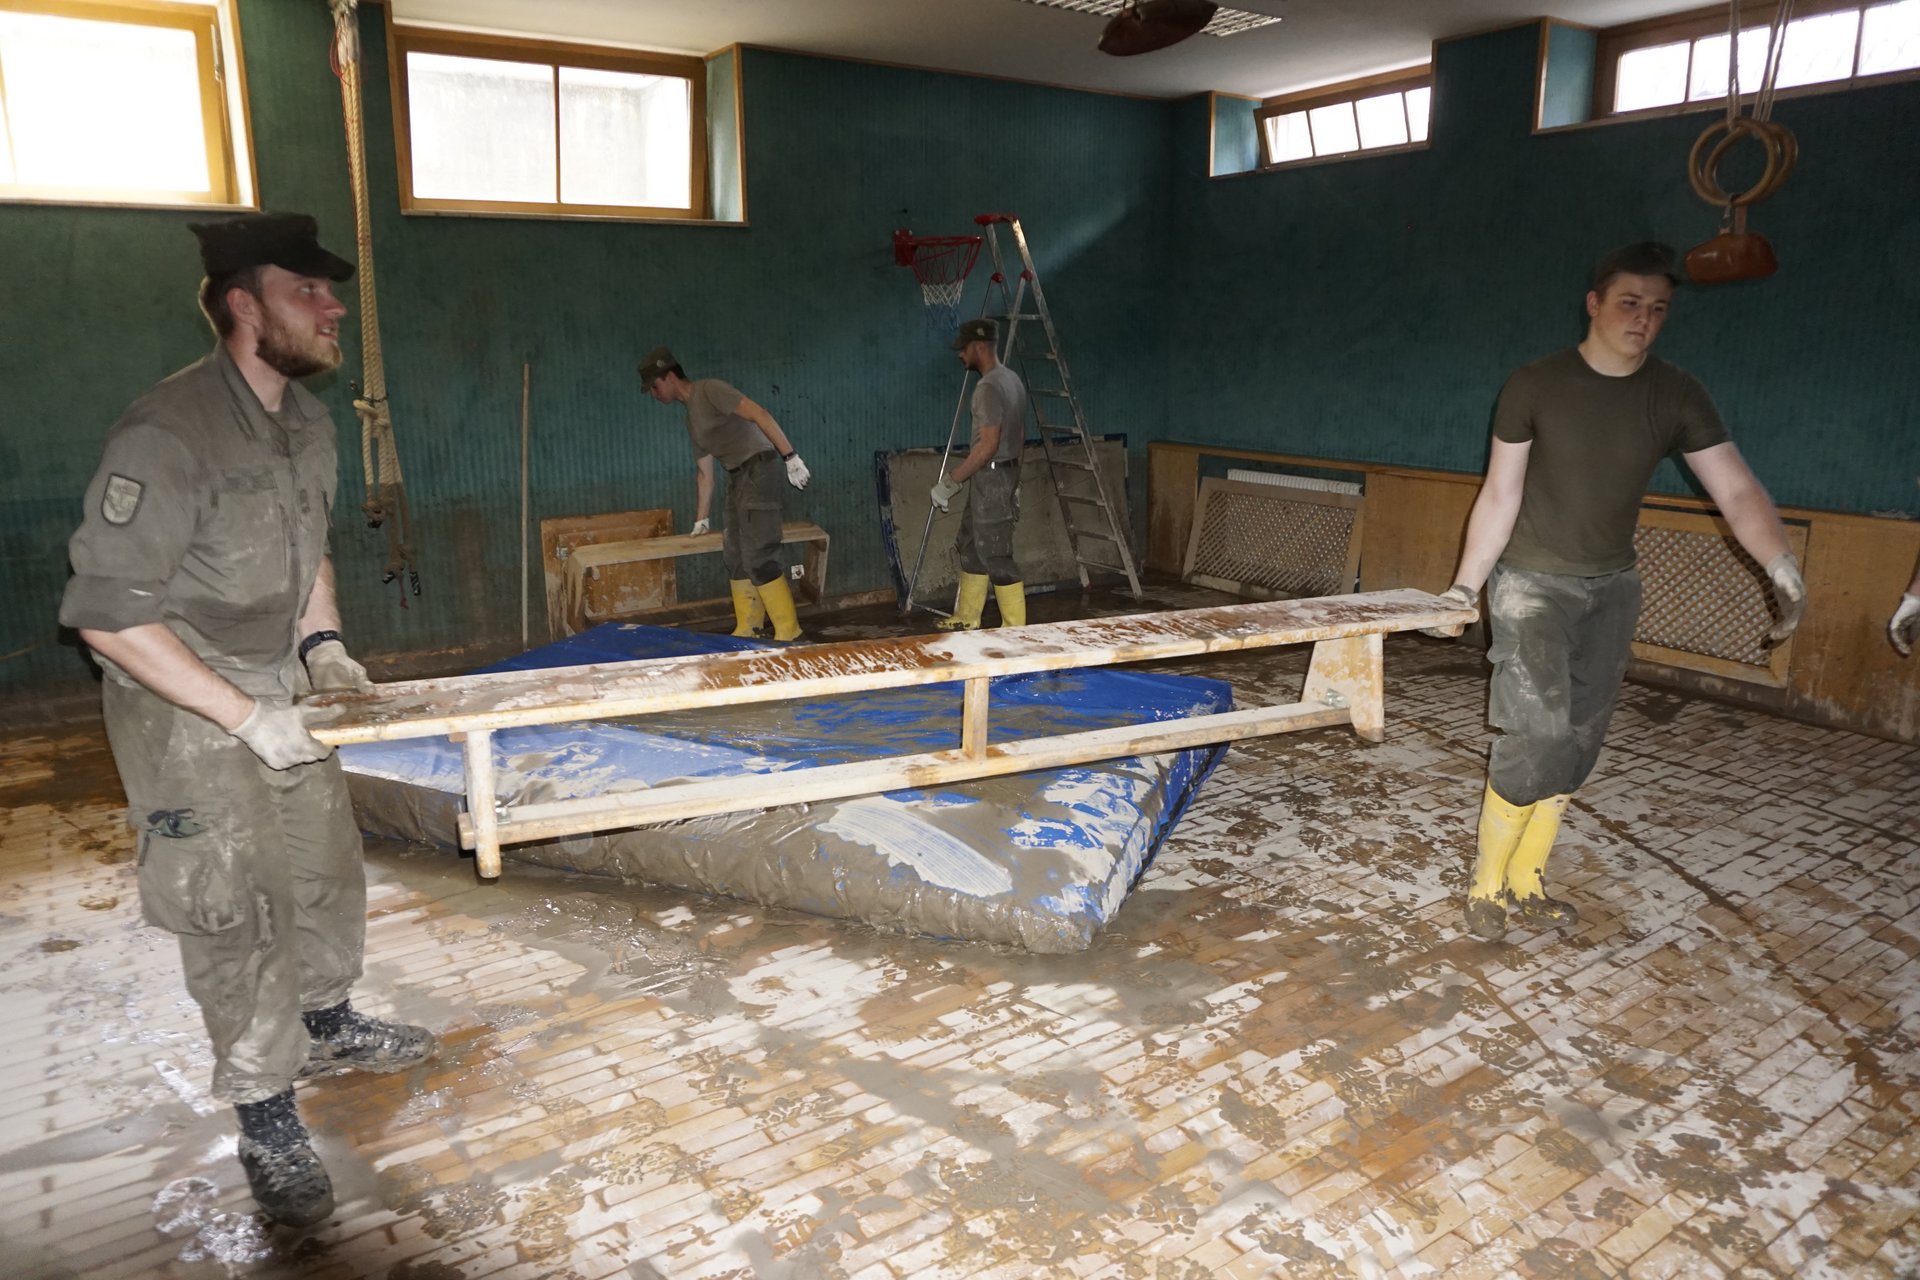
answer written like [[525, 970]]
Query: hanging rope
[[1735, 254], [386, 500]]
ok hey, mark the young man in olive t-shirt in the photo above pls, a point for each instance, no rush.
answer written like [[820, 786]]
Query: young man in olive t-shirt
[[722, 423], [1576, 437]]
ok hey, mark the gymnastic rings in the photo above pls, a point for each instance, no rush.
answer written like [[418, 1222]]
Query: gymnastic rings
[[1703, 162]]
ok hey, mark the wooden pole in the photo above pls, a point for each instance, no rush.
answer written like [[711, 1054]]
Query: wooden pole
[[526, 388], [483, 813]]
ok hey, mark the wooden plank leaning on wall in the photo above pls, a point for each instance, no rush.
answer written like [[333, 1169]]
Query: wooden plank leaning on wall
[[1843, 674]]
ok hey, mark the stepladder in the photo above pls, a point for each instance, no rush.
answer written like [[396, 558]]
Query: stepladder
[[1092, 515]]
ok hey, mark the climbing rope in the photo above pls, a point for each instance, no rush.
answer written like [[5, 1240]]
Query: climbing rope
[[386, 491], [1726, 257]]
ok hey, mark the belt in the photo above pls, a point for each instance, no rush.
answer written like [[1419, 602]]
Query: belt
[[1000, 463]]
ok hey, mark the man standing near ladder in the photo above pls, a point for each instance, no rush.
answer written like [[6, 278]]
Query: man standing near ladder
[[992, 464], [1576, 437], [724, 424], [201, 581]]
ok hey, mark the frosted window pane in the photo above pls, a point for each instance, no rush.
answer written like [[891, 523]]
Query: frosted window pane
[[1819, 49], [1890, 38], [1288, 137], [1333, 130], [1419, 102], [482, 128], [1655, 77], [103, 104], [1383, 120], [625, 139], [1710, 64]]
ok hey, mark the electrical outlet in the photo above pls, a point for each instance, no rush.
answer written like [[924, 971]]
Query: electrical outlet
[[797, 572]]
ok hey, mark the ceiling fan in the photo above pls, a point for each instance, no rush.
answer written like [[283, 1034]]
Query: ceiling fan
[[1145, 25]]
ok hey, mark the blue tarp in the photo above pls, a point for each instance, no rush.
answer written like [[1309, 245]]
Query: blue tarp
[[1041, 859]]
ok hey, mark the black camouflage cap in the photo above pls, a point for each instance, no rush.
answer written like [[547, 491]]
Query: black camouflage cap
[[981, 330], [287, 240], [658, 361]]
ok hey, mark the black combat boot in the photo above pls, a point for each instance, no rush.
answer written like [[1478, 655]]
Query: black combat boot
[[287, 1178], [347, 1041]]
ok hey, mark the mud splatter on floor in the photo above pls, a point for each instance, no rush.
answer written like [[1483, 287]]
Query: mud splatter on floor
[[1283, 1059]]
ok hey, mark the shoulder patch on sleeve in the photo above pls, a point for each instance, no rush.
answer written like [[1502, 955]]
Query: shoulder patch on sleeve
[[121, 499]]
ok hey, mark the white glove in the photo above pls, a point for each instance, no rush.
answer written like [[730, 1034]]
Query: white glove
[[1457, 596], [797, 473], [275, 732], [331, 670], [1906, 621], [1789, 592], [943, 492], [699, 527]]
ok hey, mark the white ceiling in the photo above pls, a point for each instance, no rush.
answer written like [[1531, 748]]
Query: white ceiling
[[1316, 42]]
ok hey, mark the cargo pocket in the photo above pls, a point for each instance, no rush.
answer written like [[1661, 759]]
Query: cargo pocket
[[189, 876]]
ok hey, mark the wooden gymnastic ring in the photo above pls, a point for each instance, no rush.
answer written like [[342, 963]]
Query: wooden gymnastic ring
[[1782, 149]]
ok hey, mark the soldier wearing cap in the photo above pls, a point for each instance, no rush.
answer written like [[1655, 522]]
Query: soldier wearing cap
[[202, 584], [992, 465], [1576, 437], [722, 423]]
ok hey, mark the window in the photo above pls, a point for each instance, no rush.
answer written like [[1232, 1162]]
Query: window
[[493, 125], [1337, 120], [1672, 61], [121, 103]]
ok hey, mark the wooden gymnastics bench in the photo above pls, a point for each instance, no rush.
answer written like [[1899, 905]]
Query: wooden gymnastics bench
[[1344, 685], [811, 587]]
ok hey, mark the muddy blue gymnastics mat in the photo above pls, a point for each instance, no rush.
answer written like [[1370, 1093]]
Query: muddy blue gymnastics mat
[[1041, 860]]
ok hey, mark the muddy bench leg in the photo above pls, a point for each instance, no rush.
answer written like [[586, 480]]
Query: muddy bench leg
[[1348, 673]]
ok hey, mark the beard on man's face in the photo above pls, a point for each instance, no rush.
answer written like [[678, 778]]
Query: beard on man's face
[[284, 353]]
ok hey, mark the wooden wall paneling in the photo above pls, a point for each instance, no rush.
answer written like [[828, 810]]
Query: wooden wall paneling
[[1845, 671], [1173, 481], [1415, 525]]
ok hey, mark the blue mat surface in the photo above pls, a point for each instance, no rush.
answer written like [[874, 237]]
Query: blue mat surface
[[1042, 860]]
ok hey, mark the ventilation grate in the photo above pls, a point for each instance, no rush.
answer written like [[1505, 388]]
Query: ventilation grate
[[1226, 22], [1271, 540]]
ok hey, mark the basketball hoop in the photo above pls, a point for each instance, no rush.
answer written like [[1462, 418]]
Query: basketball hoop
[[940, 264]]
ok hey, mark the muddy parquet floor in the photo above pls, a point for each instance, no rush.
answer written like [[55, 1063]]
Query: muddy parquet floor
[[1284, 1058]]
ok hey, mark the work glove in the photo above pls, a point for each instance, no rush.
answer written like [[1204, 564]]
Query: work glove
[[275, 732], [330, 669], [1789, 592], [943, 492], [797, 473], [1457, 596], [1906, 621], [700, 527]]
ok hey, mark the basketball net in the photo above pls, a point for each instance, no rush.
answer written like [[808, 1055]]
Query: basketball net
[[940, 264]]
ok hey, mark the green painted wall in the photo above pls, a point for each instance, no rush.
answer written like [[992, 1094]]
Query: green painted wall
[[804, 310], [1366, 309], [1371, 308]]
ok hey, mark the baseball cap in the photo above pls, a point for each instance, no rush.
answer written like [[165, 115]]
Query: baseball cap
[[981, 330], [658, 361], [287, 240]]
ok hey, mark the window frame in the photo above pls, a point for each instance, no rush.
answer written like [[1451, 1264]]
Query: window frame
[[403, 39], [1695, 24], [1328, 95], [224, 110]]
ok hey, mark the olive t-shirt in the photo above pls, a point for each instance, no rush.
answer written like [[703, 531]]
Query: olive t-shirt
[[715, 428], [1596, 440]]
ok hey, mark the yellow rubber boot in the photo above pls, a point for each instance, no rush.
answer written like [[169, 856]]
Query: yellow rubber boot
[[748, 612], [1012, 599], [969, 599], [778, 598], [1501, 826], [1526, 871]]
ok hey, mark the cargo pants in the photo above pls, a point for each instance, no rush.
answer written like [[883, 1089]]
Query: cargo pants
[[257, 872], [1560, 649], [985, 542], [751, 541]]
